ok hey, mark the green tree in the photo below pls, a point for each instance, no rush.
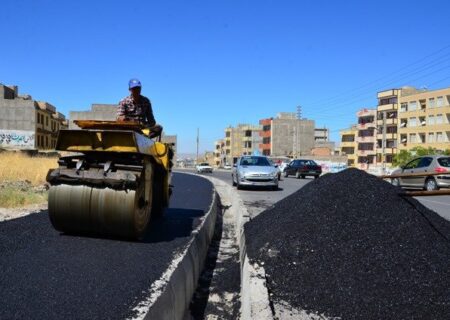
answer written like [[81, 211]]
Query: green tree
[[404, 156]]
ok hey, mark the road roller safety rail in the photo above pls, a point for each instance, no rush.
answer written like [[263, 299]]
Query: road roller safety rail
[[112, 180]]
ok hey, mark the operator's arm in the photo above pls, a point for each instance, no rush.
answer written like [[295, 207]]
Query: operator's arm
[[149, 115], [121, 110]]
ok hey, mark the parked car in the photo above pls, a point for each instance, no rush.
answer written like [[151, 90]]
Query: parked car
[[227, 167], [254, 171], [300, 168], [425, 164], [204, 167]]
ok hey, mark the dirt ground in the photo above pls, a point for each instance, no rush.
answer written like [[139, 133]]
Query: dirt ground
[[13, 213]]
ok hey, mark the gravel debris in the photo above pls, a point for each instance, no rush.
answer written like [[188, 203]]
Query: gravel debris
[[347, 245]]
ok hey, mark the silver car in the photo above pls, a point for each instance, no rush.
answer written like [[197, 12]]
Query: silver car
[[254, 171], [425, 164]]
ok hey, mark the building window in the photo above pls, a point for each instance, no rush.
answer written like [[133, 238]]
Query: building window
[[404, 107], [439, 119], [412, 122], [266, 127], [227, 143], [431, 103], [247, 144], [227, 134], [439, 101], [248, 133], [412, 106], [431, 137], [439, 137], [412, 138], [266, 140]]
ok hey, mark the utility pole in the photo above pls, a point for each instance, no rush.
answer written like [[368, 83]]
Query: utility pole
[[299, 112], [198, 132]]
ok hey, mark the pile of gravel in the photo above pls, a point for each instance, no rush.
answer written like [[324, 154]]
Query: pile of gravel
[[347, 245]]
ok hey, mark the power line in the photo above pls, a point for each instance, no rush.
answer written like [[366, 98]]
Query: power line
[[383, 77]]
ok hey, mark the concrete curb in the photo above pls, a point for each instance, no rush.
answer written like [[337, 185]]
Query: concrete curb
[[171, 295], [255, 303]]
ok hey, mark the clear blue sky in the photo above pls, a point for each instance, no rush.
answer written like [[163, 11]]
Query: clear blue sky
[[211, 64]]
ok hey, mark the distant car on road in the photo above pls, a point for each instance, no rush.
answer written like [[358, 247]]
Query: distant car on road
[[425, 164], [204, 167], [301, 168], [227, 167], [254, 171]]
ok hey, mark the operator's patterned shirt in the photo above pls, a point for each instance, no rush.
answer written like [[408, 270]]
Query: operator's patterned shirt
[[141, 112]]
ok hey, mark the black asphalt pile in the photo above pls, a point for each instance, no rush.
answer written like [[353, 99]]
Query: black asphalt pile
[[347, 245]]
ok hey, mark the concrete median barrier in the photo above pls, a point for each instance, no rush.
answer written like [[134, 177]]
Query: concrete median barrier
[[172, 293]]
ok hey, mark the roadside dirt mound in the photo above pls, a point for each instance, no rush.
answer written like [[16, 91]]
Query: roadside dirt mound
[[347, 245]]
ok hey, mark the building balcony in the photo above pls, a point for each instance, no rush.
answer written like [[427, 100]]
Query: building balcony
[[363, 126], [387, 93], [389, 121], [389, 136], [387, 150], [364, 153], [387, 107], [348, 144], [368, 139]]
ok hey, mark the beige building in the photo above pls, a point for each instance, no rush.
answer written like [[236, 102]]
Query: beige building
[[348, 146], [241, 140], [424, 119], [387, 126], [219, 153], [366, 138], [27, 124]]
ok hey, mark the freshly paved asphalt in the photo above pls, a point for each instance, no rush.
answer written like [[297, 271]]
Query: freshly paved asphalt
[[48, 275]]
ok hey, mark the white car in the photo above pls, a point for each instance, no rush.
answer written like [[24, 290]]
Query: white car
[[204, 167], [254, 171]]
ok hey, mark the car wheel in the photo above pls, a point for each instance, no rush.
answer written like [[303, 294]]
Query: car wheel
[[238, 185], [431, 185], [395, 182], [275, 188], [232, 180], [315, 177]]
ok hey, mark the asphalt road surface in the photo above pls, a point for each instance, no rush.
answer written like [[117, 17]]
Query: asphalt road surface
[[48, 275]]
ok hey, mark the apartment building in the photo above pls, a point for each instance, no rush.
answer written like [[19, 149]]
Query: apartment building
[[287, 135], [424, 119], [387, 125], [27, 124], [241, 140], [348, 146], [366, 138], [219, 153]]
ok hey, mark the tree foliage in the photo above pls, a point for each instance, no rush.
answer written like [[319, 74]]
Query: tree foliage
[[404, 156]]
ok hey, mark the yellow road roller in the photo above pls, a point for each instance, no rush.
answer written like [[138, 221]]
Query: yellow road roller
[[111, 180]]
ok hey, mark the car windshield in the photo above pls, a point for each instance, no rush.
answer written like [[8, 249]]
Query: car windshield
[[445, 162], [254, 161], [204, 164]]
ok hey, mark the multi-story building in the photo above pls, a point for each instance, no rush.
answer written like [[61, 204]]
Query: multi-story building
[[287, 135], [366, 138], [424, 119], [348, 146], [387, 123], [219, 153], [241, 140], [26, 123]]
